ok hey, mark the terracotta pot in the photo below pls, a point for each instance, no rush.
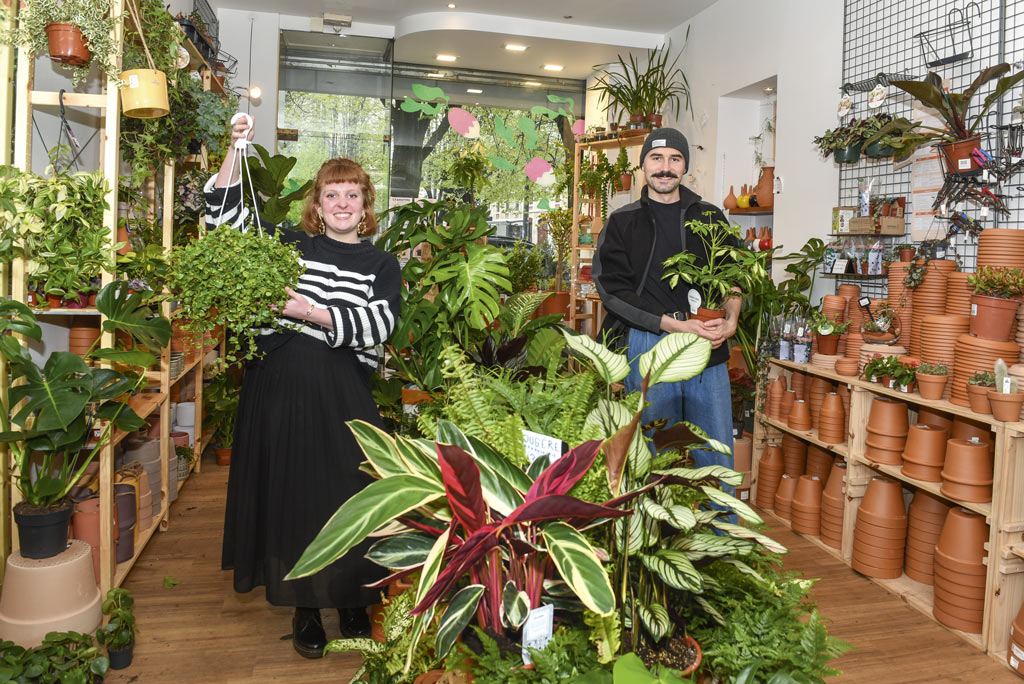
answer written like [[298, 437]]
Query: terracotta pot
[[977, 395], [884, 498], [907, 254], [625, 182], [931, 386], [54, 301], [827, 344], [957, 156], [926, 445], [892, 553], [928, 505], [894, 529], [808, 492], [963, 537], [1005, 407], [888, 416], [429, 677], [928, 416], [951, 620], [654, 120], [966, 574], [872, 571], [784, 496], [412, 397], [709, 314], [786, 407], [887, 442], [965, 428], [799, 415], [223, 456], [947, 592], [67, 44], [765, 190], [968, 462], [557, 303], [729, 202], [992, 318]]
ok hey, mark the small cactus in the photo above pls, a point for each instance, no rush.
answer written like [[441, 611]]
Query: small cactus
[[1002, 372]]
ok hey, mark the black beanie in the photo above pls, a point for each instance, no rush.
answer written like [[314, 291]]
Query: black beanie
[[666, 137]]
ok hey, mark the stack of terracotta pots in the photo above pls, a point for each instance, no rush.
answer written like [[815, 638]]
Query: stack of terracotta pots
[[844, 393], [83, 334], [927, 516], [788, 399], [958, 294], [852, 339], [832, 506], [1020, 332], [868, 351], [794, 455], [925, 452], [960, 571], [798, 383], [784, 496], [1001, 247], [967, 472], [826, 362], [799, 415], [936, 343], [880, 533], [773, 399], [848, 366], [974, 354], [887, 431], [819, 462], [832, 420], [806, 511], [1015, 654], [929, 299], [769, 472], [900, 297], [816, 395]]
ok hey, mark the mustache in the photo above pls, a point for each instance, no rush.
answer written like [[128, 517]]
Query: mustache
[[664, 174]]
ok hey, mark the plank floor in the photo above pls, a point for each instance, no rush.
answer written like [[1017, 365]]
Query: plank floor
[[201, 631]]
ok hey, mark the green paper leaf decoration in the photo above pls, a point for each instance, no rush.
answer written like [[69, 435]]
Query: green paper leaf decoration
[[504, 132], [502, 164], [529, 130], [544, 205], [410, 105], [428, 93]]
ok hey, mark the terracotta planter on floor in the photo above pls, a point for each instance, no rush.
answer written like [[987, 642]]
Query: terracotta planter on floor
[[223, 456], [993, 317], [1005, 407], [931, 386], [977, 395]]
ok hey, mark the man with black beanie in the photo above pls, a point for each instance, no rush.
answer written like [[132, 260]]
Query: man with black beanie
[[627, 271]]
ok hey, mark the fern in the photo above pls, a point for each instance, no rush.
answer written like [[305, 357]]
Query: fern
[[568, 655]]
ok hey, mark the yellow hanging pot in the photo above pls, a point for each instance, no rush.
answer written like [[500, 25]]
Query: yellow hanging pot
[[144, 94]]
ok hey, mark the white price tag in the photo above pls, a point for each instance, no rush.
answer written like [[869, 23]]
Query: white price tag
[[984, 212], [984, 176], [840, 266], [1016, 650], [974, 309], [1006, 385], [133, 81], [538, 445], [537, 630], [963, 164], [800, 331]]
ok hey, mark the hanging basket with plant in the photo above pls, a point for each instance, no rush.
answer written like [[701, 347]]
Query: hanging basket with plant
[[144, 91]]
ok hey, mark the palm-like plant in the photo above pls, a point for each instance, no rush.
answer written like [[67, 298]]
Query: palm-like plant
[[643, 87]]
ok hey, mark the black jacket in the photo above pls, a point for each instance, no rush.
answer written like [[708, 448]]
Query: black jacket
[[625, 250]]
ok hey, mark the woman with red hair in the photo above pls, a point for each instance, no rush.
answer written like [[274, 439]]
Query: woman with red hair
[[295, 460]]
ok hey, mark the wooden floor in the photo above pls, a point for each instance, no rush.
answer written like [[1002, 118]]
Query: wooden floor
[[202, 631]]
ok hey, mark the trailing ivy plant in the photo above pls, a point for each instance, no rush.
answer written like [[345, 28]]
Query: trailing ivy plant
[[232, 278], [162, 38]]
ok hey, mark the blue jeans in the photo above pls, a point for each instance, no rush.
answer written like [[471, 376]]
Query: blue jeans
[[704, 400]]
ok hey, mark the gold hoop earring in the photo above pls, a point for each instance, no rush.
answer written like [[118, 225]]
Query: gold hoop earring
[[362, 223], [323, 226]]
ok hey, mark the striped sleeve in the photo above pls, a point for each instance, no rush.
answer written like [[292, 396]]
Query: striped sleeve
[[367, 326], [224, 204]]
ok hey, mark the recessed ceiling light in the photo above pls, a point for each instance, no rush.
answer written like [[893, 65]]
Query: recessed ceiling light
[[532, 83], [451, 5], [437, 75], [475, 91], [513, 47], [446, 58], [768, 90], [553, 67]]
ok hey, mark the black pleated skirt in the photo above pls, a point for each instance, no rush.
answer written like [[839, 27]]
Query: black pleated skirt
[[294, 462]]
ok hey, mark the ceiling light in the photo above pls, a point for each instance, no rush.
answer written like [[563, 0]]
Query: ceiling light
[[532, 83], [438, 75], [768, 90], [446, 58], [512, 47], [475, 91], [255, 92], [451, 5], [553, 67]]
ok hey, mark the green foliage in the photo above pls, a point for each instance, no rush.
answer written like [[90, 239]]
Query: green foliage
[[525, 263], [162, 38], [62, 658], [558, 223], [119, 632], [147, 267], [229, 278], [768, 619], [605, 634], [470, 169], [220, 408], [642, 87], [212, 121], [995, 281], [879, 366], [932, 369], [92, 17], [568, 654], [629, 669], [384, 663], [823, 325], [727, 267], [270, 178], [982, 379]]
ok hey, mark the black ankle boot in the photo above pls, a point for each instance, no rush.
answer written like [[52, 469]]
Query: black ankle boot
[[308, 636], [354, 622]]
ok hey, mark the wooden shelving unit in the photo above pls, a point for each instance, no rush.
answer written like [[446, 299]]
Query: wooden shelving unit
[[1004, 514], [588, 210]]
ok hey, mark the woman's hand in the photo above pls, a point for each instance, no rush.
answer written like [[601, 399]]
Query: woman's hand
[[241, 129], [297, 306]]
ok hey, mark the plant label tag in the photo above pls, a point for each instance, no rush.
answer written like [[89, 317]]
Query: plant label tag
[[963, 164], [537, 630], [800, 331], [840, 266], [133, 81], [844, 107], [1017, 652], [1006, 385], [876, 97], [984, 176], [974, 309], [538, 445], [984, 212], [694, 299]]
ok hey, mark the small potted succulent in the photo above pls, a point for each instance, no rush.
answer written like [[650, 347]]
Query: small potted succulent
[[904, 375], [826, 332], [978, 386], [931, 380], [1004, 397], [997, 293]]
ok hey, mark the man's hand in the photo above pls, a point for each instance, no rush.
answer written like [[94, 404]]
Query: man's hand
[[719, 330], [669, 324]]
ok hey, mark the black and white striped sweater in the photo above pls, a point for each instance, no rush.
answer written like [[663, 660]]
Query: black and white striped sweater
[[359, 284]]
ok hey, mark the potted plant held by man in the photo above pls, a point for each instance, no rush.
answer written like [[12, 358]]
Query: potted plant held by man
[[726, 268]]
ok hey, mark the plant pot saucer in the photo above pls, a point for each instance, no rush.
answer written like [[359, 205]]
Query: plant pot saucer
[[959, 566]]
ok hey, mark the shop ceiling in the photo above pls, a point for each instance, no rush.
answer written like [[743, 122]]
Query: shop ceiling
[[576, 34]]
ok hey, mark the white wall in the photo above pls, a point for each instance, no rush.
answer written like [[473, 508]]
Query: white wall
[[258, 34], [735, 43]]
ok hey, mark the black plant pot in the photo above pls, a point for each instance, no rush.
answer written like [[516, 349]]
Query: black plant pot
[[43, 533], [119, 660]]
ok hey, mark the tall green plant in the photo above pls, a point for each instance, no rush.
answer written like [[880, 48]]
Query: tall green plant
[[270, 177], [558, 223]]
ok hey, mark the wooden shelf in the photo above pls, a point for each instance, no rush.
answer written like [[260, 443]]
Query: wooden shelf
[[859, 276], [196, 60], [896, 472], [140, 545], [921, 597], [789, 525], [143, 404], [634, 139], [808, 435], [189, 365], [752, 211]]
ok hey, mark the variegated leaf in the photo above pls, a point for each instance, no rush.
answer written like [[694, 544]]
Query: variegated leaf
[[741, 509], [721, 473], [680, 517], [611, 367], [499, 493], [378, 503], [515, 606], [709, 609], [675, 569], [704, 545], [578, 565], [676, 356], [704, 517], [629, 534], [744, 568], [456, 617], [401, 552], [416, 459], [428, 575], [655, 620], [747, 533], [557, 588], [380, 449], [363, 645]]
